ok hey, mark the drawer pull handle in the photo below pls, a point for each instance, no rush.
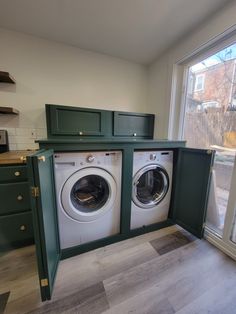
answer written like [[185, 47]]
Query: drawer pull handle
[[17, 173], [19, 197], [22, 228]]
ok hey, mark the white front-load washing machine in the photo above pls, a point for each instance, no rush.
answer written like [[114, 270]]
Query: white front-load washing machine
[[88, 189], [152, 180]]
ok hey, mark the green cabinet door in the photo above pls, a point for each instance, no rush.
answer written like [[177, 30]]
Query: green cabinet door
[[44, 210], [131, 124], [75, 121], [191, 189]]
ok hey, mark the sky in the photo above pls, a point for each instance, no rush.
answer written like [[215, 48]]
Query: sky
[[227, 53]]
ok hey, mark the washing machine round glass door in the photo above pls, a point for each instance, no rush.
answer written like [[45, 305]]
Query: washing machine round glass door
[[150, 185], [88, 194]]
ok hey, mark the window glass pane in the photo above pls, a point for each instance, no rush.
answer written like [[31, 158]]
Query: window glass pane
[[210, 122], [89, 193], [151, 186]]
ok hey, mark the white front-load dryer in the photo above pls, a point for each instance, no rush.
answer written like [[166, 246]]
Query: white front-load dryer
[[88, 189], [152, 181]]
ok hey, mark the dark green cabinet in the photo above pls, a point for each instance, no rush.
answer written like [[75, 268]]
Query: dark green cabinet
[[15, 217], [17, 197], [131, 124], [16, 230], [109, 130], [191, 188], [17, 173], [75, 121], [44, 210], [192, 169]]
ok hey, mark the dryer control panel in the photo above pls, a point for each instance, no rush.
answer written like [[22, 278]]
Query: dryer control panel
[[153, 156]]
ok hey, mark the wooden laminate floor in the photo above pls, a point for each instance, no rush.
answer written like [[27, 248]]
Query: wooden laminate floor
[[166, 271]]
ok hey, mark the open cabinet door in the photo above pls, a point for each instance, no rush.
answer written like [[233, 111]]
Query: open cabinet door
[[191, 189], [44, 210]]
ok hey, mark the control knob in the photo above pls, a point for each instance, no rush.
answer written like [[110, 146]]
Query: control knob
[[90, 158], [153, 156]]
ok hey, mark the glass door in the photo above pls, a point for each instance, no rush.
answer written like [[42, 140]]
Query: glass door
[[210, 122], [150, 186], [88, 194]]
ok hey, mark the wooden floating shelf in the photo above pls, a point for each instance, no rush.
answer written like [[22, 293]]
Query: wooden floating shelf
[[8, 110], [5, 77]]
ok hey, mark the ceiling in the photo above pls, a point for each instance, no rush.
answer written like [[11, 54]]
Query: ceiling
[[136, 30]]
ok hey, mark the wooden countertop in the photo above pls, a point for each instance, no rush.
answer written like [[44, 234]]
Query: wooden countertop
[[15, 157]]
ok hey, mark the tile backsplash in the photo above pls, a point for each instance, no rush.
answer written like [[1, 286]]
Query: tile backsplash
[[24, 138]]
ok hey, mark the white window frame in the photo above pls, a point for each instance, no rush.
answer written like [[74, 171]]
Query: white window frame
[[180, 76], [177, 119]]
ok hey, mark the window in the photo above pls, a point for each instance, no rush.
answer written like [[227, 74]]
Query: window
[[207, 119], [199, 83]]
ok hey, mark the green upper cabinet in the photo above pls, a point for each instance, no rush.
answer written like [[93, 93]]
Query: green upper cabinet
[[191, 189], [72, 122], [75, 121], [131, 124]]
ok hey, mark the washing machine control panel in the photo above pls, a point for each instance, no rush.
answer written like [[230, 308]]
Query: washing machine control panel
[[68, 161], [153, 157], [90, 158]]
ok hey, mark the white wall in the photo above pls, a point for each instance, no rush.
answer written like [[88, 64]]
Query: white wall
[[49, 72], [160, 73]]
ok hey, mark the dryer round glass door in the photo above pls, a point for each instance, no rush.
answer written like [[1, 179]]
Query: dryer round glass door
[[88, 194], [150, 185]]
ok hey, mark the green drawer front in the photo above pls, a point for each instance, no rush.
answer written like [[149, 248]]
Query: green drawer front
[[133, 124], [14, 197], [13, 173], [15, 230]]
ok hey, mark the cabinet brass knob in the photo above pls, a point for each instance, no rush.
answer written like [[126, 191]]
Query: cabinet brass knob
[[23, 158], [19, 197], [42, 158], [17, 173], [22, 228], [80, 133], [135, 134]]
